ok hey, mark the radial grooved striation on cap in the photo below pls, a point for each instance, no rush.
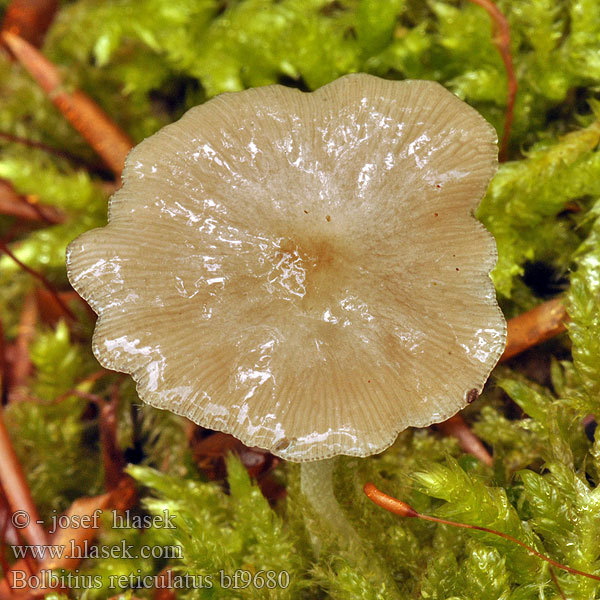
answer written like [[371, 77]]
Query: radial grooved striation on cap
[[303, 270]]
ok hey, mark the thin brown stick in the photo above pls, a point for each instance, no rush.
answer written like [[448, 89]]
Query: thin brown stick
[[73, 536], [26, 207], [78, 160], [112, 457], [502, 42], [3, 367], [402, 509], [21, 363], [7, 591], [534, 327], [10, 535], [30, 19], [89, 396], [162, 592], [50, 311], [76, 539], [83, 510], [99, 130], [17, 490], [556, 583], [4, 248], [467, 440], [3, 535], [86, 395]]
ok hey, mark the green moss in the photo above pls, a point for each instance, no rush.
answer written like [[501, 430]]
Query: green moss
[[220, 534], [146, 62], [58, 451], [583, 302], [526, 197]]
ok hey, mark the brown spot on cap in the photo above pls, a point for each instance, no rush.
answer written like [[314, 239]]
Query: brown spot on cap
[[472, 395], [281, 445]]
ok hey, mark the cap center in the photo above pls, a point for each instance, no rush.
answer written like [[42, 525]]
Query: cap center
[[300, 270]]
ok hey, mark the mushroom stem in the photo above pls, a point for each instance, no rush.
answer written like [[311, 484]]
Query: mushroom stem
[[316, 482]]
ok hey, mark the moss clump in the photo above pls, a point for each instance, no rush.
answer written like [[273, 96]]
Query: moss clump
[[146, 62]]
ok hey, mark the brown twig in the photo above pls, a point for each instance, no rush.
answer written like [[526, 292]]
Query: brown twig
[[210, 449], [103, 135], [73, 536], [112, 457], [86, 395], [50, 311], [3, 367], [5, 532], [502, 42], [7, 591], [30, 19], [89, 396], [10, 535], [4, 248], [468, 441], [534, 327], [77, 160], [21, 363], [26, 207], [555, 580], [402, 509], [17, 490], [162, 592]]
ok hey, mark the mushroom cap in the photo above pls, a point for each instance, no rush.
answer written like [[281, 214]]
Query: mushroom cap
[[303, 270]]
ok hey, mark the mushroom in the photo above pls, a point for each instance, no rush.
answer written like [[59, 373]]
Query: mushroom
[[303, 270]]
